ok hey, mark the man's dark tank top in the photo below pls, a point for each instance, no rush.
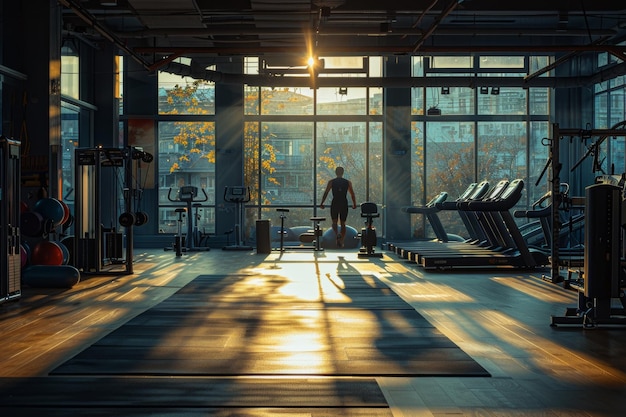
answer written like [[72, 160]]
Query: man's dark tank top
[[340, 190]]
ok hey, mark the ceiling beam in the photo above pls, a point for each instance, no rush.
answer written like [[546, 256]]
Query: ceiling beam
[[233, 30], [377, 50], [398, 82]]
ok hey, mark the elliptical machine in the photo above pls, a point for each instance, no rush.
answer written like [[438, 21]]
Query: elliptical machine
[[188, 194], [369, 211]]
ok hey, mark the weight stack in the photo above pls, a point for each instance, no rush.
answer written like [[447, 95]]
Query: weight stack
[[602, 241], [10, 253]]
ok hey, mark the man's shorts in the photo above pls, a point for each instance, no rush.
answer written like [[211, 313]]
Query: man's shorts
[[339, 211]]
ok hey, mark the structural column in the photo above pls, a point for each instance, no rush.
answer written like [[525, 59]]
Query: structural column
[[397, 140]]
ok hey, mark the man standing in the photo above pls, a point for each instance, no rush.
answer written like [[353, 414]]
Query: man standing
[[339, 206]]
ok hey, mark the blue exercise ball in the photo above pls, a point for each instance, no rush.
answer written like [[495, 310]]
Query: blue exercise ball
[[50, 208], [350, 241], [66, 252], [68, 243]]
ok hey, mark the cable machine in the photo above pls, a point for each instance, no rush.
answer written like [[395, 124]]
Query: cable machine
[[559, 198], [605, 221], [99, 174], [10, 258]]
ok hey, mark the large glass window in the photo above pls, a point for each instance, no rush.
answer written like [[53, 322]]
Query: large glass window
[[502, 100], [69, 140], [341, 100], [418, 223], [186, 148], [450, 166], [70, 115], [610, 112], [296, 137], [538, 158], [70, 69], [288, 148], [284, 101], [285, 169], [481, 133], [501, 150], [185, 95], [374, 155], [186, 158], [451, 100], [342, 144]]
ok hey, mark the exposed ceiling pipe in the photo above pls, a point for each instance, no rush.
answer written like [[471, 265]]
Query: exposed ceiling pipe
[[444, 13], [421, 16], [81, 37], [562, 59], [102, 30]]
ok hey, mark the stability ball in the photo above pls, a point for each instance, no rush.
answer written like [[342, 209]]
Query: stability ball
[[50, 208], [24, 256], [66, 212], [66, 252], [350, 241], [46, 253], [68, 242], [31, 224]]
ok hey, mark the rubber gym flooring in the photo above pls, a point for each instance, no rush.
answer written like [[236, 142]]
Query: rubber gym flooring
[[260, 325], [249, 346], [500, 318]]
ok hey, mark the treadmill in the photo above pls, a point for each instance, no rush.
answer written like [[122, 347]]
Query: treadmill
[[482, 237], [508, 247], [430, 211], [473, 191]]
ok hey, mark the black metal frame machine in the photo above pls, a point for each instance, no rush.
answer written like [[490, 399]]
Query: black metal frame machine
[[369, 211], [603, 298], [10, 258], [99, 174]]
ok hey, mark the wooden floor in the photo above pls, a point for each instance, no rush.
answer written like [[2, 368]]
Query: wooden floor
[[501, 318]]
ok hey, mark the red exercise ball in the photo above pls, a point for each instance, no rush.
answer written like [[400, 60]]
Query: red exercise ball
[[46, 253]]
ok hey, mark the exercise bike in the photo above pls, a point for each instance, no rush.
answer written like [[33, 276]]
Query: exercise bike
[[238, 195], [369, 211], [190, 242]]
